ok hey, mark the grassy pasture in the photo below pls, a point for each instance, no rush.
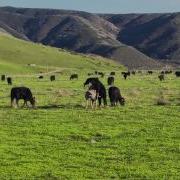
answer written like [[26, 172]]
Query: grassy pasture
[[62, 140]]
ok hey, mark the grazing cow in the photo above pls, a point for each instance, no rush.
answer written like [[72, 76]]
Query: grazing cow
[[41, 77], [110, 80], [177, 73], [112, 74], [115, 96], [101, 74], [162, 72], [90, 74], [161, 77], [133, 72], [52, 78], [3, 78], [74, 76], [96, 72], [9, 81], [168, 72], [99, 87], [91, 97], [150, 72], [126, 74], [23, 93]]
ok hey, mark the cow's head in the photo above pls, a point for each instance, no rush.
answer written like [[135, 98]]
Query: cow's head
[[33, 102], [122, 101]]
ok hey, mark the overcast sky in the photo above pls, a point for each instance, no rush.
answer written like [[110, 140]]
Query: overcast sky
[[101, 6]]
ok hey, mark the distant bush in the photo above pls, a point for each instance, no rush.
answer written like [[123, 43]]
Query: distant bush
[[161, 101]]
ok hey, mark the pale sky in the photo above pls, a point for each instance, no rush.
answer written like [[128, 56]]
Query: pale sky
[[101, 6]]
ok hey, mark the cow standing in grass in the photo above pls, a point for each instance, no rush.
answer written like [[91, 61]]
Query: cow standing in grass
[[9, 81], [41, 77], [161, 77], [3, 78], [112, 74], [91, 97], [53, 78], [23, 93], [115, 96], [177, 73], [74, 76], [95, 84], [110, 80]]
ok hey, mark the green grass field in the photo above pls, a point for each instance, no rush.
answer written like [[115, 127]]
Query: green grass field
[[62, 140]]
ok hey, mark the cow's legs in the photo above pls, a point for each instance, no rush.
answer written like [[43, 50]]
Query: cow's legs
[[87, 103], [105, 101], [99, 100], [25, 104], [12, 102], [17, 102]]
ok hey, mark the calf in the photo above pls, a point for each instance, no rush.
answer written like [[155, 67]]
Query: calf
[[110, 80], [161, 77], [53, 78], [115, 96], [91, 97], [23, 93], [9, 81], [74, 76]]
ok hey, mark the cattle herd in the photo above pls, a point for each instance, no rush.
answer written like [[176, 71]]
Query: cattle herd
[[94, 96]]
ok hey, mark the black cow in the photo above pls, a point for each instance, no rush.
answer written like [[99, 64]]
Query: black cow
[[112, 74], [168, 72], [126, 74], [52, 78], [90, 74], [150, 72], [110, 80], [41, 77], [101, 74], [115, 96], [9, 81], [133, 72], [161, 77], [177, 73], [3, 78], [23, 93], [74, 76], [99, 87]]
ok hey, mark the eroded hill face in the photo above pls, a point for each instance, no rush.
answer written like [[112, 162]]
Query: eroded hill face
[[113, 36], [156, 35]]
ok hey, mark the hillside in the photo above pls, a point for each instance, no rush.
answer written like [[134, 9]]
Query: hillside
[[156, 35], [77, 31], [15, 55]]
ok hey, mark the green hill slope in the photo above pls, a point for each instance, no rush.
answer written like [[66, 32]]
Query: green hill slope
[[15, 55]]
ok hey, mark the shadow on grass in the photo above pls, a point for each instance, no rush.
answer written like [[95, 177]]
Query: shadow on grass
[[66, 106]]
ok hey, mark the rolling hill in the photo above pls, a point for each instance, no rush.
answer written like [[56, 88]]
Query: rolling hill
[[81, 32], [16, 54]]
